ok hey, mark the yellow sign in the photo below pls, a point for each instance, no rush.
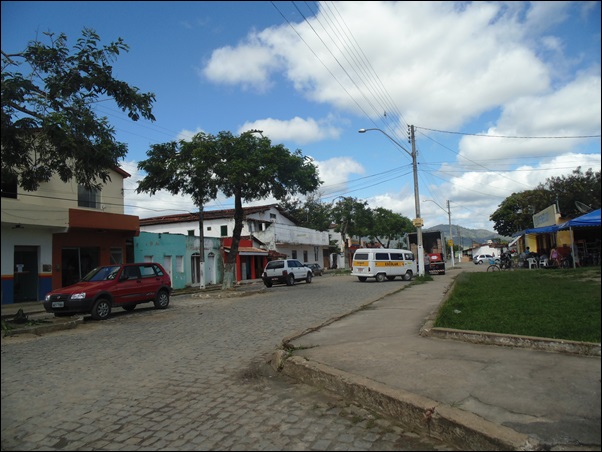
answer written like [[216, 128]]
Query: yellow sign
[[418, 222], [450, 243]]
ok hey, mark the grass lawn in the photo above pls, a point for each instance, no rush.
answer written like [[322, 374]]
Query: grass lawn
[[552, 303]]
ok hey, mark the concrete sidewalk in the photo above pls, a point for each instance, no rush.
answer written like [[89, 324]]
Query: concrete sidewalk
[[474, 395]]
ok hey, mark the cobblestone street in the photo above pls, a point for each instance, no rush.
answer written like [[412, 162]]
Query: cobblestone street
[[192, 377]]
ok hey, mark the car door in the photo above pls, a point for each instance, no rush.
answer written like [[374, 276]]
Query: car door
[[128, 288]]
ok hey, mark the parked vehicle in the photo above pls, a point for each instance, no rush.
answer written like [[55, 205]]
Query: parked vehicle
[[484, 258], [316, 269], [381, 263], [110, 286], [286, 271], [433, 243], [435, 264]]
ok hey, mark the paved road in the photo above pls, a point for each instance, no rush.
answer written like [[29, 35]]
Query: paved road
[[192, 377]]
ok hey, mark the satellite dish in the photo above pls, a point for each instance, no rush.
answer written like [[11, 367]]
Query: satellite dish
[[583, 208]]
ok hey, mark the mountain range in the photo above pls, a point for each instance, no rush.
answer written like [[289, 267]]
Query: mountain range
[[467, 237]]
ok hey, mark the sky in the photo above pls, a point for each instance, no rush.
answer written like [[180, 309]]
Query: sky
[[501, 95]]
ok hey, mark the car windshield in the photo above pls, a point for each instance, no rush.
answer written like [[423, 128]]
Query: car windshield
[[102, 273]]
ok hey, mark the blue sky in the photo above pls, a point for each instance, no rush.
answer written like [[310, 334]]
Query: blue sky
[[496, 91]]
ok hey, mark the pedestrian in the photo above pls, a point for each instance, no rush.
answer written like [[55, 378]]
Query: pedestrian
[[555, 257]]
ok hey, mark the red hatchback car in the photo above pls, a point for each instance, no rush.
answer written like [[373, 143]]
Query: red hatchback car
[[120, 285]]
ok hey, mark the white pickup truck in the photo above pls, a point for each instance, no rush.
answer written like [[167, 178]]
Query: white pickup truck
[[285, 271]]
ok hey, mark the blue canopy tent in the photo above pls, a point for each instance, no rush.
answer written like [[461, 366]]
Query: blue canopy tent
[[590, 219]]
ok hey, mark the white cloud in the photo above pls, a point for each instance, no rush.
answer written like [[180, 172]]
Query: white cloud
[[298, 130]]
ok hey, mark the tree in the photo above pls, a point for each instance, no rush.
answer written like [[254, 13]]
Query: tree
[[182, 167], [246, 168], [352, 218], [49, 124], [579, 186], [389, 225], [311, 213], [516, 212]]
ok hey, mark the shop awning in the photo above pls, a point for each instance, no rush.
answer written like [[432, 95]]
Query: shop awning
[[249, 251]]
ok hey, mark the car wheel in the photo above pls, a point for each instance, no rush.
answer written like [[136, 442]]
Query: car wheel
[[290, 280], [129, 307], [362, 278], [162, 300], [309, 276], [380, 277], [101, 309], [407, 276]]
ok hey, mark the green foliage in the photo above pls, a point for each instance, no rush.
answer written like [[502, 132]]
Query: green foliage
[[515, 213], [246, 167], [389, 225], [49, 124], [560, 304]]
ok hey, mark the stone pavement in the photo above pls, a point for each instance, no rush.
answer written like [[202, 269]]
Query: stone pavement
[[476, 395], [528, 395]]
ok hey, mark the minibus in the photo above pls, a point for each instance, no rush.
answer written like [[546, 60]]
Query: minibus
[[383, 263]]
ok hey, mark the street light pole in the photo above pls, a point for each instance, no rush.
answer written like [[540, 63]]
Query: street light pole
[[418, 223]]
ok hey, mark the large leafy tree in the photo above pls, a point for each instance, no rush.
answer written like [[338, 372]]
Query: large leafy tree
[[516, 212], [352, 218], [309, 213], [245, 167], [49, 124], [389, 226]]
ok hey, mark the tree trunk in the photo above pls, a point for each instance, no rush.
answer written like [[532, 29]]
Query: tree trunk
[[228, 281], [230, 266]]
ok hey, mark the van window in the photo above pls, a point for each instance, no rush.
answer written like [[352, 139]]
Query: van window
[[409, 256], [396, 256], [382, 256], [361, 256]]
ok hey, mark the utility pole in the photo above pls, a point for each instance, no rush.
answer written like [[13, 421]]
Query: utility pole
[[418, 222], [451, 237], [201, 250]]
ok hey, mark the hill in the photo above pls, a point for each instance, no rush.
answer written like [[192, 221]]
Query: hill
[[467, 237]]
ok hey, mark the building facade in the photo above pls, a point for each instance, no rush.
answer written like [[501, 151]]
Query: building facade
[[267, 233], [52, 237]]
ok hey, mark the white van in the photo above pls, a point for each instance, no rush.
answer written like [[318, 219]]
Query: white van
[[381, 263]]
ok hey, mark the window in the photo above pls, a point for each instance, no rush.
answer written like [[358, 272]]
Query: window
[[382, 256], [180, 264], [272, 216], [87, 198], [209, 228], [294, 254], [148, 258], [148, 271], [361, 256], [396, 256], [116, 256], [223, 231], [305, 254], [191, 232]]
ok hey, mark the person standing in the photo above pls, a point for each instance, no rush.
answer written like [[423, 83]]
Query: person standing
[[555, 257]]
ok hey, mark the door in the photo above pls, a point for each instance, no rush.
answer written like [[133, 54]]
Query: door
[[25, 273]]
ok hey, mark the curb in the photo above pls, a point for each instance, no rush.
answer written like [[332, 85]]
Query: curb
[[420, 414], [49, 326]]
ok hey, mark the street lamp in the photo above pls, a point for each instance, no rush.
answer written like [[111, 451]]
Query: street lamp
[[418, 223], [451, 238]]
